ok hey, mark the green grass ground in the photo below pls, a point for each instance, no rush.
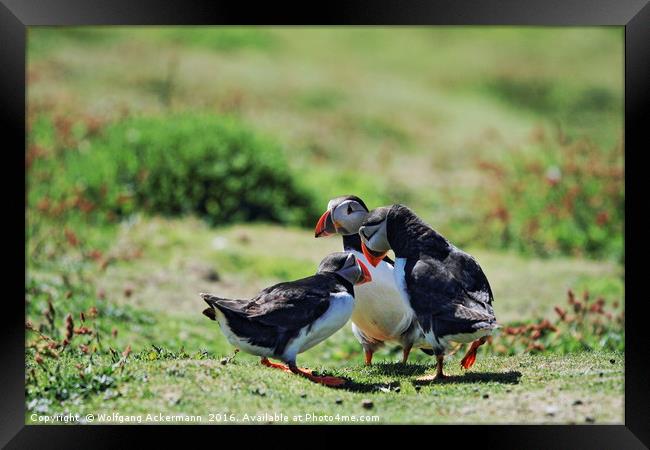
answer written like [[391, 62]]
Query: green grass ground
[[419, 106], [579, 388]]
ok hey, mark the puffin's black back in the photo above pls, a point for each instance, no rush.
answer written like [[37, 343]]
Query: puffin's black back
[[409, 236]]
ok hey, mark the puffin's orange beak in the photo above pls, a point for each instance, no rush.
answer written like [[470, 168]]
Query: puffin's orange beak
[[324, 225], [370, 256], [366, 273]]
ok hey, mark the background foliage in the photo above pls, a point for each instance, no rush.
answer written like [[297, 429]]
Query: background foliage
[[210, 166]]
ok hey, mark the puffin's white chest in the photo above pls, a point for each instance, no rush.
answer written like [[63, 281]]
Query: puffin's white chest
[[381, 312], [400, 279]]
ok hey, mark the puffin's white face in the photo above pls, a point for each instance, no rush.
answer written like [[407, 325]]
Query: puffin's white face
[[347, 216], [343, 216], [346, 265], [374, 240], [355, 271]]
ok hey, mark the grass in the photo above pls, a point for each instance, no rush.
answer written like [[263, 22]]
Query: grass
[[578, 388]]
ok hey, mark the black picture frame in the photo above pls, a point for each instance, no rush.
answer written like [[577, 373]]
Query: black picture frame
[[634, 15]]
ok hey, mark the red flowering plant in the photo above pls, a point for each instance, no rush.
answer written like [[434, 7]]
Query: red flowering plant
[[556, 197], [581, 325]]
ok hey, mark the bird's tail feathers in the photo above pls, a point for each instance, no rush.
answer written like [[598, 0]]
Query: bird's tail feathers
[[221, 304], [210, 299]]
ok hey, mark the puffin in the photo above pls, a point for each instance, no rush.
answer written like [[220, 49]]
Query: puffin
[[445, 286], [289, 318], [381, 313]]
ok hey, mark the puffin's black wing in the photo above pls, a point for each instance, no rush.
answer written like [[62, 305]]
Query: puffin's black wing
[[466, 270], [293, 305], [449, 296]]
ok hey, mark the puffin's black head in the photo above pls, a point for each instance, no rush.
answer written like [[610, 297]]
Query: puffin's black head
[[374, 235], [347, 266], [343, 216]]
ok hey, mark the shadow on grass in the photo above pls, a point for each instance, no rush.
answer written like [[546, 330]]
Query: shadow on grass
[[399, 369], [411, 370], [354, 386], [390, 369], [357, 386], [511, 377]]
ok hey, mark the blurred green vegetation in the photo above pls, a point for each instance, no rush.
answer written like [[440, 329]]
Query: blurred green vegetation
[[210, 166], [222, 38], [559, 198], [413, 115]]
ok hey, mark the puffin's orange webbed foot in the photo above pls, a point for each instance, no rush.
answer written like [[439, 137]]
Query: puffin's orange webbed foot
[[267, 363], [324, 380], [470, 358], [328, 380]]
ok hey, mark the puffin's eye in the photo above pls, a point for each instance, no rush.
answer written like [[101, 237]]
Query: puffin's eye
[[349, 209]]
